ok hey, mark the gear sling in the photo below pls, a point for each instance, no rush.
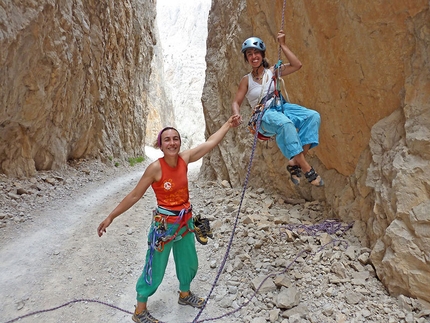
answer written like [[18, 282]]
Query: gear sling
[[254, 123]]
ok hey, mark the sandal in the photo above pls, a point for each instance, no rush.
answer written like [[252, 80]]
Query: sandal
[[192, 300], [314, 178], [295, 173]]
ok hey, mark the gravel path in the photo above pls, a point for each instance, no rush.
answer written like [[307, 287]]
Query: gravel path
[[51, 255]]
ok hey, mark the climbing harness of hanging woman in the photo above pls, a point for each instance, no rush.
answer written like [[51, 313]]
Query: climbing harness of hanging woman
[[274, 98], [254, 123]]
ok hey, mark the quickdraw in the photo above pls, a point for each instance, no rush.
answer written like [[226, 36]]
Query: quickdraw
[[252, 124], [161, 233]]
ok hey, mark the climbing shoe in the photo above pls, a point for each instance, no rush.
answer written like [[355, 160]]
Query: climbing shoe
[[144, 317], [314, 178], [295, 173], [192, 300], [202, 230]]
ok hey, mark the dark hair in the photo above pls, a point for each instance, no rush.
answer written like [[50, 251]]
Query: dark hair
[[265, 63], [157, 143]]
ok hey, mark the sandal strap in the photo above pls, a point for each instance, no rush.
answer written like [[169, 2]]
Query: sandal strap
[[311, 175], [295, 170]]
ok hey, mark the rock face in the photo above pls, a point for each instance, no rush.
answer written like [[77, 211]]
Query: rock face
[[74, 81], [159, 99], [75, 77], [365, 69], [183, 33]]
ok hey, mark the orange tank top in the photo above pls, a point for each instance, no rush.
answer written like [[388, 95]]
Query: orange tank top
[[172, 189]]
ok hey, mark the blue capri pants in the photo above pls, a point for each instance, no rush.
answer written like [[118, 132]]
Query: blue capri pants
[[294, 126]]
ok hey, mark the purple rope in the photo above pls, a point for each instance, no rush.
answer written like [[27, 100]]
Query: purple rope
[[327, 226], [66, 304], [224, 260], [273, 275], [245, 185]]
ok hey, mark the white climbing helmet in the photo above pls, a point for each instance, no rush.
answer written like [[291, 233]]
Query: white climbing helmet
[[253, 42]]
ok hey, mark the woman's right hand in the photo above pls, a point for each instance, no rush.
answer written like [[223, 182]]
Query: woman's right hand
[[102, 227]]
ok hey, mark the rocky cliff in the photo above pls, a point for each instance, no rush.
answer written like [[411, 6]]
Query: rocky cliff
[[75, 77], [366, 70], [183, 33], [74, 81]]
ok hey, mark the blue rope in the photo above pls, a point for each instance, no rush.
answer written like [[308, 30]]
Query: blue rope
[[157, 236]]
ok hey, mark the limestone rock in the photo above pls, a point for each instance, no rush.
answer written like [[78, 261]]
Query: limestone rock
[[375, 107], [74, 81]]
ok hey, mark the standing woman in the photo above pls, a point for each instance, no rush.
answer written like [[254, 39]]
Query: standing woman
[[172, 221], [295, 127]]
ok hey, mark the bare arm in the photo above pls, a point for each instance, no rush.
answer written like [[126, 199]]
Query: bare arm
[[148, 177], [294, 63], [238, 99], [198, 152]]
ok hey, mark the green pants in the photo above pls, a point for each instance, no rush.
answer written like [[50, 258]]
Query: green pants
[[186, 263]]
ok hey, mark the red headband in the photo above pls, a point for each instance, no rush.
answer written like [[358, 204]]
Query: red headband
[[164, 129]]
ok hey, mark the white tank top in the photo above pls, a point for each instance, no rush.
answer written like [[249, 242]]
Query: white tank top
[[254, 94]]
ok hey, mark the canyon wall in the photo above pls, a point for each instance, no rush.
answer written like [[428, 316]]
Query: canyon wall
[[160, 111], [74, 81], [366, 71]]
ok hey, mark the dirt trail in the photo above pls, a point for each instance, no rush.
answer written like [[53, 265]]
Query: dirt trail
[[52, 255], [58, 257]]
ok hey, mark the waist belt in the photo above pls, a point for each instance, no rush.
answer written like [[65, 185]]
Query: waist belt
[[267, 97], [164, 211]]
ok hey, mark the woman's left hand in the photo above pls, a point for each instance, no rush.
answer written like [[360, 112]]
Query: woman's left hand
[[235, 120]]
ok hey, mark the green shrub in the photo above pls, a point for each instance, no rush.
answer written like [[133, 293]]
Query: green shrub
[[134, 160]]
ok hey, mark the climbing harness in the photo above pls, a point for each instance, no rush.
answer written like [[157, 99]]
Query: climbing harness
[[274, 99], [160, 233]]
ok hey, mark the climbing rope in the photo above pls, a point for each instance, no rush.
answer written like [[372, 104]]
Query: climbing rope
[[245, 185], [282, 26], [82, 300], [327, 226], [334, 241], [279, 64], [333, 227], [224, 260]]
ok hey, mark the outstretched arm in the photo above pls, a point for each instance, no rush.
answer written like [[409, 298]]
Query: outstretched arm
[[294, 63], [146, 180], [198, 152]]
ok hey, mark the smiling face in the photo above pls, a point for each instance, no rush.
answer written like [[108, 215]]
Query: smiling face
[[170, 142], [254, 57]]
